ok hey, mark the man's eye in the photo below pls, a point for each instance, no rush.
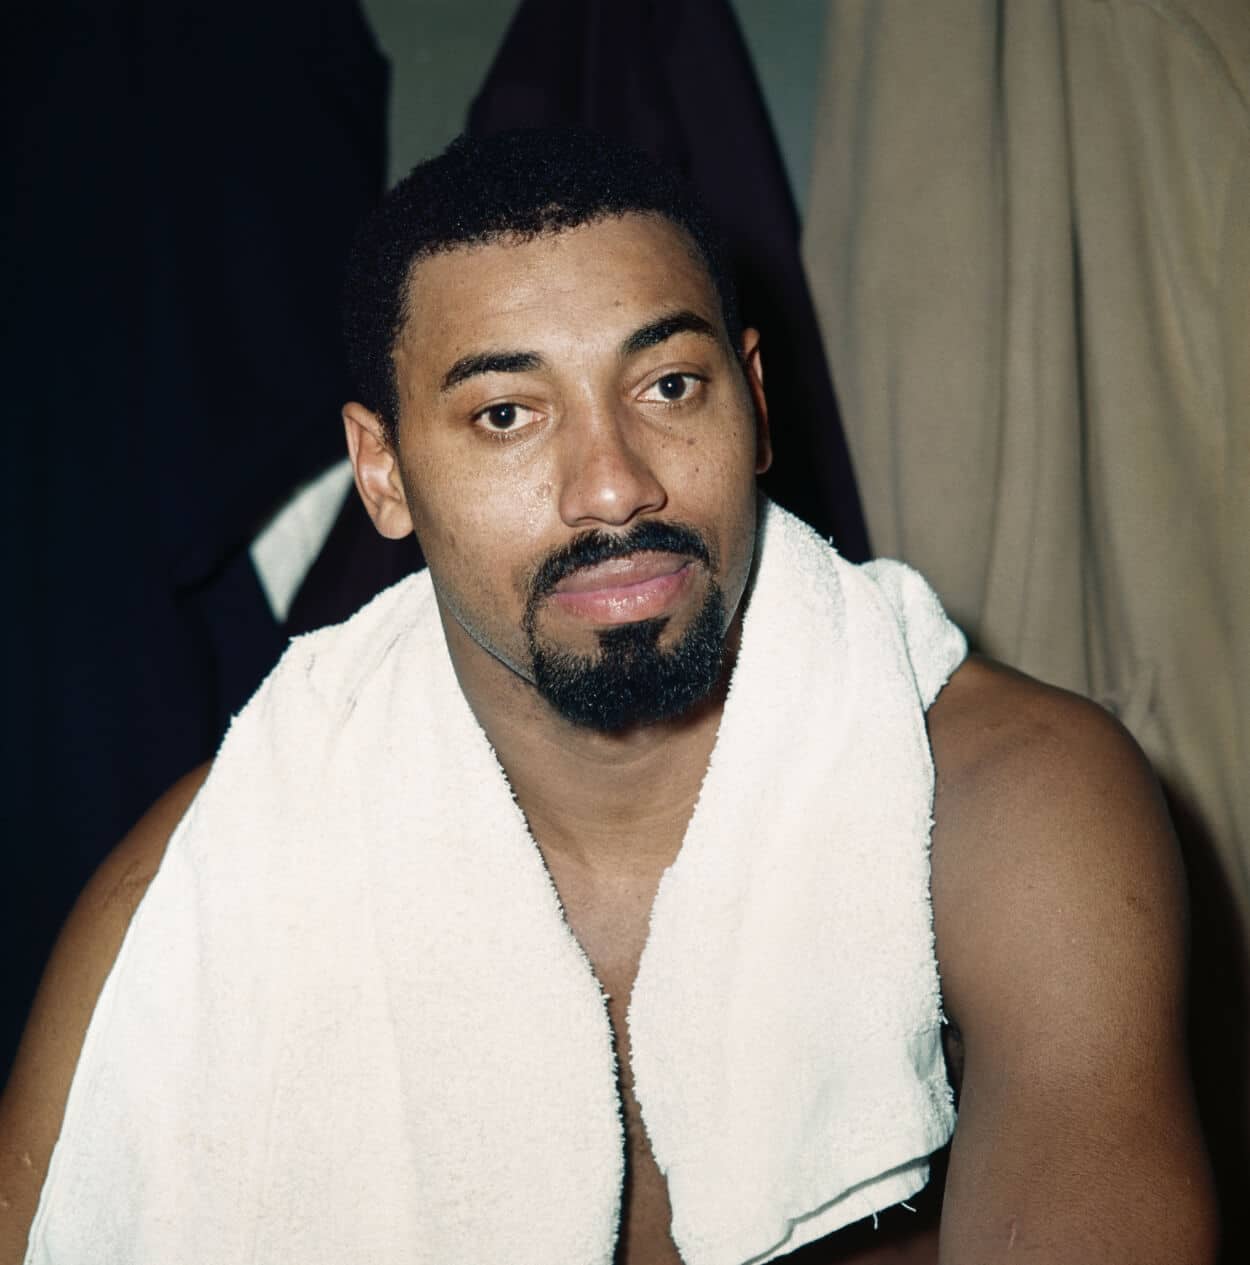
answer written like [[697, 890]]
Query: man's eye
[[672, 387], [502, 418]]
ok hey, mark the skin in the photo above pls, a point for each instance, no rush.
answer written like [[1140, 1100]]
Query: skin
[[1058, 894]]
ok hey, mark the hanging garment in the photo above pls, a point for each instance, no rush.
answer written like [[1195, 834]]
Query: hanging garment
[[190, 173], [674, 78], [1028, 236]]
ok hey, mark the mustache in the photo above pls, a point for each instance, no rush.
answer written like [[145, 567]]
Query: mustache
[[652, 536]]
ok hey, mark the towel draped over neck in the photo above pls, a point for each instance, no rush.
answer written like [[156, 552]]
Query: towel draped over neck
[[349, 1021]]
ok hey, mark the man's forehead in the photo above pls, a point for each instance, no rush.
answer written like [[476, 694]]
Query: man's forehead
[[615, 238], [634, 262]]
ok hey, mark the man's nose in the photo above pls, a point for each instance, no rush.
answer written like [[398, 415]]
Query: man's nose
[[607, 476]]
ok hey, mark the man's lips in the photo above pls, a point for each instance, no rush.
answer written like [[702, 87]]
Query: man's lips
[[638, 586], [615, 573]]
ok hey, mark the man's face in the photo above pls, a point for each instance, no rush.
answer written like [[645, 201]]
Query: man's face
[[578, 447]]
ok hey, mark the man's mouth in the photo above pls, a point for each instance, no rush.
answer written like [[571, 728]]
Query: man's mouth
[[613, 573], [601, 579], [638, 586]]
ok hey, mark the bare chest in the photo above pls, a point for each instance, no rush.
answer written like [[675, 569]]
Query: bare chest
[[610, 921]]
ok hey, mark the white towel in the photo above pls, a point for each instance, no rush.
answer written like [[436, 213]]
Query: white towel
[[350, 1024]]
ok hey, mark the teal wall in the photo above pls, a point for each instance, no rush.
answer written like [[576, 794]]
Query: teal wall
[[440, 50]]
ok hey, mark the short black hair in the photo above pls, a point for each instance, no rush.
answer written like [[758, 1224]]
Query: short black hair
[[515, 184]]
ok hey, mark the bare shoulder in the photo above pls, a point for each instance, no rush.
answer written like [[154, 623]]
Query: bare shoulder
[[33, 1103], [1060, 917], [1046, 812], [991, 723]]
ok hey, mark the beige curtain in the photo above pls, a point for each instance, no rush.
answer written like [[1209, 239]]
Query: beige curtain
[[1028, 237]]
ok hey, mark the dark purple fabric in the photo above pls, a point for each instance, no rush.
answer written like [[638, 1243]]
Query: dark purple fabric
[[674, 78]]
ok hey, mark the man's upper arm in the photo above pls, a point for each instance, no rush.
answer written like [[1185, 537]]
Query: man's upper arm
[[33, 1103], [1061, 929]]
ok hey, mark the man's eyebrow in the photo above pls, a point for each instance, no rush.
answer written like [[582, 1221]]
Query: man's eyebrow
[[490, 362], [663, 329]]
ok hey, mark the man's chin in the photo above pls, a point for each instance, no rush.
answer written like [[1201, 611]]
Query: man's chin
[[632, 678]]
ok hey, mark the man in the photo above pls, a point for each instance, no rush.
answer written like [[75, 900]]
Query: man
[[683, 1004]]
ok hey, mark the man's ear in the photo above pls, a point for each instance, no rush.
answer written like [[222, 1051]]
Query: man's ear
[[376, 466], [753, 367]]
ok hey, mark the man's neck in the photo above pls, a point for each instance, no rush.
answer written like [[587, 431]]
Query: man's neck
[[615, 803]]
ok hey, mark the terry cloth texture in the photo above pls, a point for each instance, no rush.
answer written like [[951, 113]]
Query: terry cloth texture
[[349, 1021]]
